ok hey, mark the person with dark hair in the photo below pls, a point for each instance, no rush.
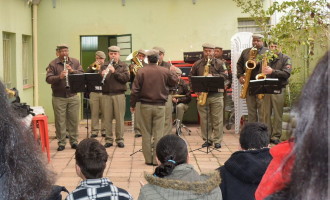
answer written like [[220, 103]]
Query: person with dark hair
[[309, 177], [175, 178], [279, 67], [65, 103], [23, 173], [91, 159], [242, 172], [151, 88]]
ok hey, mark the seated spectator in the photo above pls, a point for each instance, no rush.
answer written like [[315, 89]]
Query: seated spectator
[[242, 172], [174, 178], [91, 158], [309, 174], [23, 173]]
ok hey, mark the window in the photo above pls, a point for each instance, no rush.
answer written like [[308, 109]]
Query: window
[[27, 68], [9, 65], [248, 25]]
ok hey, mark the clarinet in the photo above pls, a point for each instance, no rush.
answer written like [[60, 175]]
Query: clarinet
[[67, 74], [107, 71]]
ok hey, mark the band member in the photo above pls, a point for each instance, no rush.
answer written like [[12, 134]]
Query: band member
[[134, 67], [213, 107], [168, 105], [218, 52], [181, 103], [279, 67], [253, 103], [65, 104], [116, 75], [95, 98], [150, 87]]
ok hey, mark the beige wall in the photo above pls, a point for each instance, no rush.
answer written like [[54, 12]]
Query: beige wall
[[176, 25], [15, 18]]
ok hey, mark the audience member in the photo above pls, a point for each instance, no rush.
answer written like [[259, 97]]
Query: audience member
[[175, 178], [308, 178], [23, 174], [242, 172], [91, 158]]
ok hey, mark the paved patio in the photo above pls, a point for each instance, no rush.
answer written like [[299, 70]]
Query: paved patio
[[126, 171]]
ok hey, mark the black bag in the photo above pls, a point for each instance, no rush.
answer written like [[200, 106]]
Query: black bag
[[56, 192], [21, 109]]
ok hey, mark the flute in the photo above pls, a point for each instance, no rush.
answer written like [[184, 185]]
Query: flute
[[107, 71]]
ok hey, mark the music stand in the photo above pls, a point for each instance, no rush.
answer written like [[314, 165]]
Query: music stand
[[207, 84], [265, 86], [88, 82]]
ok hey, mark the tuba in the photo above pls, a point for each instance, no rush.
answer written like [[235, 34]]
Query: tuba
[[203, 96], [137, 63], [250, 65], [262, 75]]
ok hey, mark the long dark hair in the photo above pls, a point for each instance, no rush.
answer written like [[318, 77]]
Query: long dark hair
[[309, 176], [23, 174], [171, 151]]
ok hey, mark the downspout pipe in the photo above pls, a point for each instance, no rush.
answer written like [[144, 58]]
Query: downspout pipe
[[35, 54]]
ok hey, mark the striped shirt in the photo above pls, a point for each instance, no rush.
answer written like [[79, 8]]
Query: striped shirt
[[98, 189]]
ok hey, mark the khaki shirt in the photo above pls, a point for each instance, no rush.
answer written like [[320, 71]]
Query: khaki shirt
[[54, 70]]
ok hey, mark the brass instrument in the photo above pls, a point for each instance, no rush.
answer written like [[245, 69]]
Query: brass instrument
[[95, 66], [137, 63], [107, 71], [262, 75], [203, 96], [10, 93], [250, 65], [67, 72]]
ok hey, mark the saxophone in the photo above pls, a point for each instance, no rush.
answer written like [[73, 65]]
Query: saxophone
[[262, 75], [203, 96], [137, 63], [250, 65]]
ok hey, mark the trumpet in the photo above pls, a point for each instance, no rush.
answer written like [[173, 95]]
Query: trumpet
[[95, 66], [107, 71], [67, 72]]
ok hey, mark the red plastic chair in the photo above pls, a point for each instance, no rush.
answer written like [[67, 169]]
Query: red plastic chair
[[41, 122]]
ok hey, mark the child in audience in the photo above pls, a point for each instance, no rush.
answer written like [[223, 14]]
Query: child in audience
[[242, 172], [91, 158]]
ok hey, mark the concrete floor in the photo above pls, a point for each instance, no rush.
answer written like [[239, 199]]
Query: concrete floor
[[126, 171]]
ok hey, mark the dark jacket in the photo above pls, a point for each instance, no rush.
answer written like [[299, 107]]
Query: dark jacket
[[242, 173], [282, 68], [115, 83], [54, 71], [183, 184], [182, 89], [165, 64], [151, 85], [245, 57]]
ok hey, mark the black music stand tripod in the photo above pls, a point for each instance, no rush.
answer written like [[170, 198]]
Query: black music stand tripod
[[86, 83], [178, 124], [207, 84]]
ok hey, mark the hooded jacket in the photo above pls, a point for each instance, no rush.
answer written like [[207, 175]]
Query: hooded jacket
[[184, 183], [242, 173]]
